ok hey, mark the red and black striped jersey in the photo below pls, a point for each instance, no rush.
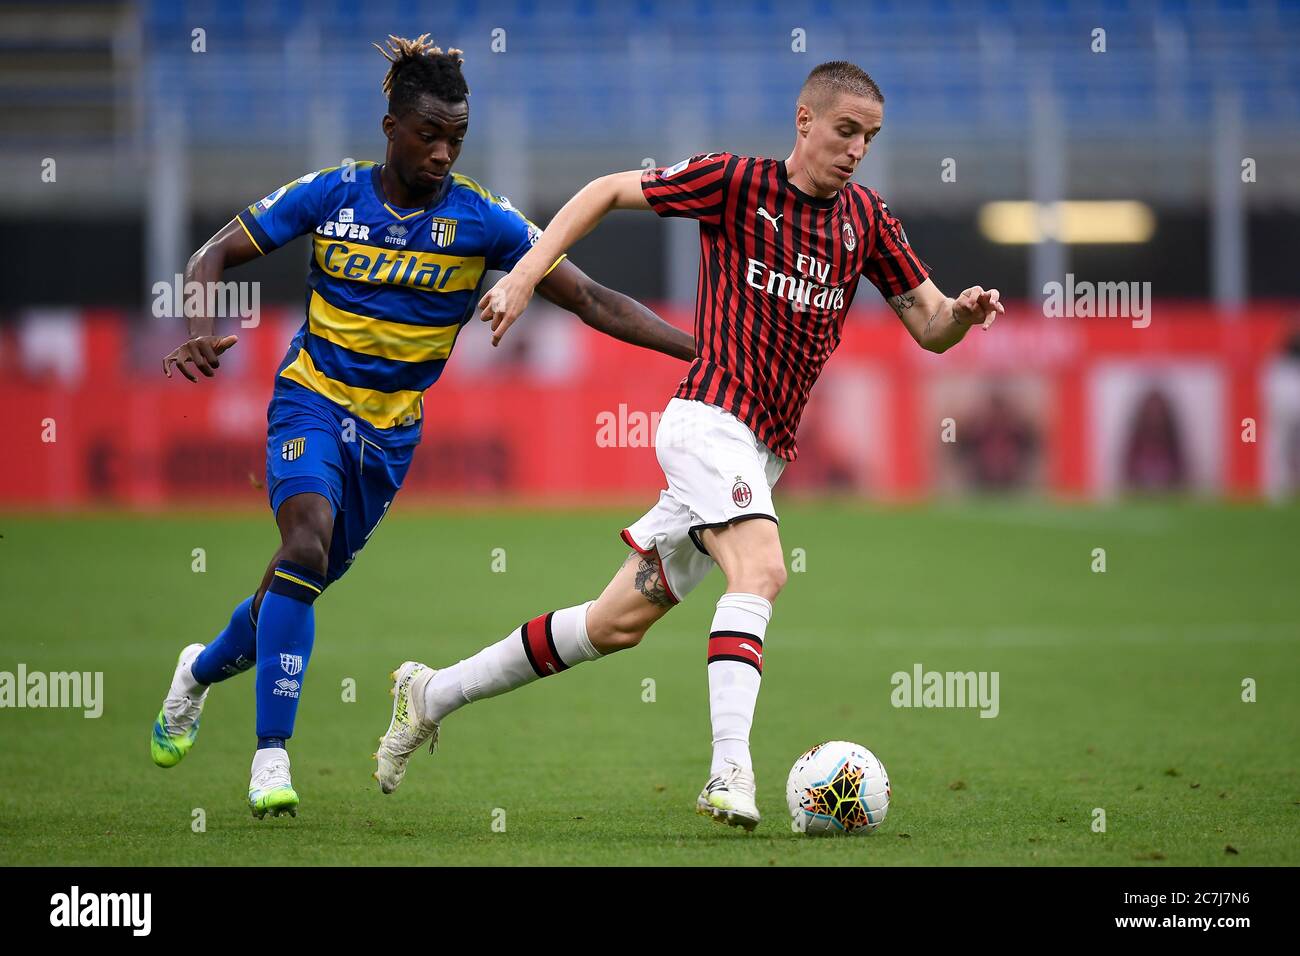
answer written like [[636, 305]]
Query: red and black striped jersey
[[778, 271]]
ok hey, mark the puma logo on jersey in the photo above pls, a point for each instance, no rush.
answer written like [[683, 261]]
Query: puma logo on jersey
[[768, 216]]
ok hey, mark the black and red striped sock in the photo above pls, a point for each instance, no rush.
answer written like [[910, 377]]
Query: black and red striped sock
[[545, 645]]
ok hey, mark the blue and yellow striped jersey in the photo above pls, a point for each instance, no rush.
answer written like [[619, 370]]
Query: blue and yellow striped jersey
[[389, 288]]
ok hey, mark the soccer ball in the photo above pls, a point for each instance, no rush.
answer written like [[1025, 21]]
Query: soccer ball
[[837, 787]]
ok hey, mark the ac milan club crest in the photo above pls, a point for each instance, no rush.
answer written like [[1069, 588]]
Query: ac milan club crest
[[850, 238], [741, 494]]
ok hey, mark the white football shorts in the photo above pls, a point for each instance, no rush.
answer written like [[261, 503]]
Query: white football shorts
[[717, 473]]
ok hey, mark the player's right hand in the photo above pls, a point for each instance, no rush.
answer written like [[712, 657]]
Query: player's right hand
[[202, 352]]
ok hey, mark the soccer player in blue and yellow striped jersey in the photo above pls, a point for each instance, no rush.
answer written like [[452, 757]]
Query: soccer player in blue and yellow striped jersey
[[399, 252]]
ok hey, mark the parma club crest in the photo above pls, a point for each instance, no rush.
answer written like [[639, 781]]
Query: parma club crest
[[442, 232], [293, 449]]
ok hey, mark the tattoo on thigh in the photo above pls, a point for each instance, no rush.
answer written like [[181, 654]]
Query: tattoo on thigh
[[650, 583]]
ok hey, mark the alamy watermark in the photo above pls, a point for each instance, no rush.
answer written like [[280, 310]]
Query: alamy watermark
[[626, 427], [75, 908], [1084, 299], [922, 688], [82, 690], [219, 300]]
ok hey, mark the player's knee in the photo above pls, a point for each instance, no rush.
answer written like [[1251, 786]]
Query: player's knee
[[307, 549], [771, 580], [778, 578], [306, 527], [765, 578]]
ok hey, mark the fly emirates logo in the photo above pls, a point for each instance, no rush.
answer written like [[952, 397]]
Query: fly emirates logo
[[807, 290]]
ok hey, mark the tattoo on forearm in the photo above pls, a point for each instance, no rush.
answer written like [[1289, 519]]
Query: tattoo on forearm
[[649, 582], [929, 322], [901, 303]]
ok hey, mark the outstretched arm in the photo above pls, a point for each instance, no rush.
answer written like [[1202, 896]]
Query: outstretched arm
[[231, 246], [612, 312], [938, 322], [506, 300]]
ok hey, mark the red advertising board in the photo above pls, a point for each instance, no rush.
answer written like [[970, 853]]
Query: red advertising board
[[1078, 407]]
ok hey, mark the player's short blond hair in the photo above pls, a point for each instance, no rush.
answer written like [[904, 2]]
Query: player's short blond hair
[[829, 79]]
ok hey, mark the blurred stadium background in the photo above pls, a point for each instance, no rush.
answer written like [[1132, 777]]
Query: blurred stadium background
[[132, 130]]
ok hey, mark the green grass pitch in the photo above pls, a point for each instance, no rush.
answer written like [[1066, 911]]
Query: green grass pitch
[[1119, 690]]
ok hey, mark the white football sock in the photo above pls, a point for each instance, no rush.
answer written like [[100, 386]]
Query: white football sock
[[543, 646], [183, 682], [735, 671]]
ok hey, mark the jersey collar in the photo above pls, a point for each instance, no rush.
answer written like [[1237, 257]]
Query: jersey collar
[[826, 203], [399, 211]]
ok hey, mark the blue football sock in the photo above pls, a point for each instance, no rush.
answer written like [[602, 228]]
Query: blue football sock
[[233, 651], [286, 627]]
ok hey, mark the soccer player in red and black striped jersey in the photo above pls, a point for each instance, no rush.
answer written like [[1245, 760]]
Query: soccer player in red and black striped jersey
[[783, 247]]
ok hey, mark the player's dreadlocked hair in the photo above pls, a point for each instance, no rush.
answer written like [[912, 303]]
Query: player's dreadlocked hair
[[420, 67], [838, 76]]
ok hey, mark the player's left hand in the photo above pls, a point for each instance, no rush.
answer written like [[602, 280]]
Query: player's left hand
[[504, 303], [977, 306]]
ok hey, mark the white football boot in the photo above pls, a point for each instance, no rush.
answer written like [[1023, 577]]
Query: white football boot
[[408, 730], [270, 789], [729, 798], [177, 724]]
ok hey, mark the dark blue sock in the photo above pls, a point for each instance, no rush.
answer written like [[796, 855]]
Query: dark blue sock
[[286, 627], [233, 651]]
